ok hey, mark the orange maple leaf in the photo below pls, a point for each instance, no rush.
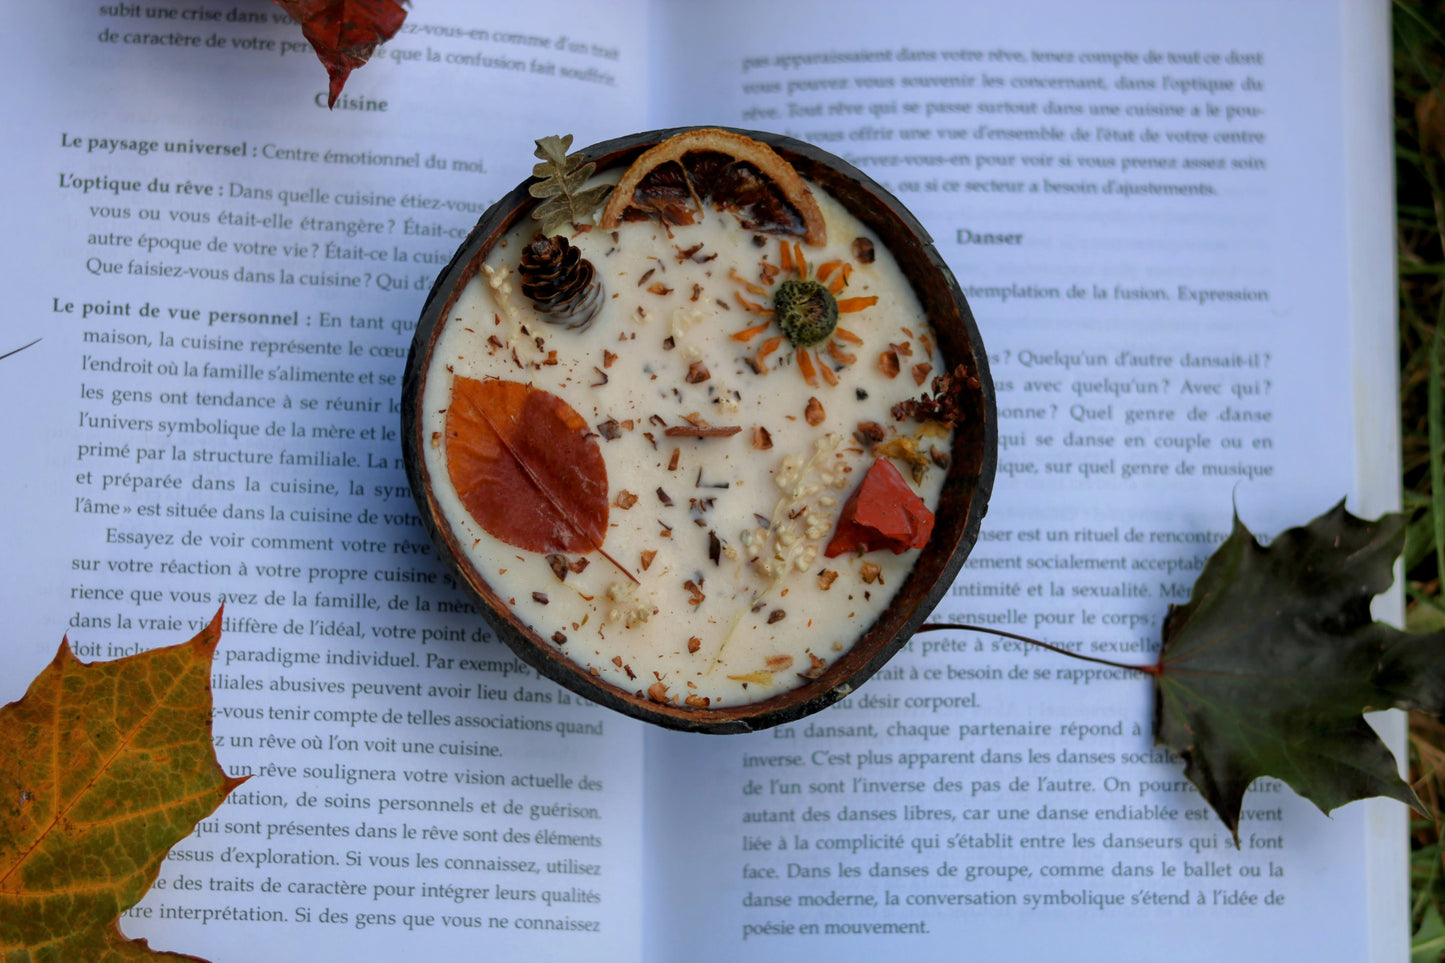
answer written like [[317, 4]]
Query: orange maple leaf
[[103, 768]]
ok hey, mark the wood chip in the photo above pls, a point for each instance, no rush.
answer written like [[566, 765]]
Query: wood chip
[[664, 497], [698, 701], [888, 363], [826, 578], [694, 592], [697, 373], [559, 638], [657, 692], [778, 663], [647, 556], [607, 358], [816, 669], [625, 499], [871, 573], [870, 433], [863, 251], [920, 372], [539, 597], [693, 644], [762, 438], [814, 412], [691, 431], [558, 564], [672, 462], [610, 429]]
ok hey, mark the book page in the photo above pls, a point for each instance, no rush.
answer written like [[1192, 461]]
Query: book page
[[225, 277], [1152, 213]]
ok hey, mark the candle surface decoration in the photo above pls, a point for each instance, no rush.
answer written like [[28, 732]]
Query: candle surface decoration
[[693, 418]]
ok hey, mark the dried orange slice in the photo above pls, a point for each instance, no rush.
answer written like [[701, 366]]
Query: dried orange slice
[[675, 178]]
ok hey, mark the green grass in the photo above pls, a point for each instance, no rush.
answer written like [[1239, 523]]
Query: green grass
[[1420, 217]]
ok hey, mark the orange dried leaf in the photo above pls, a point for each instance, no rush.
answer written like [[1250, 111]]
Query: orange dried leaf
[[103, 768], [527, 467]]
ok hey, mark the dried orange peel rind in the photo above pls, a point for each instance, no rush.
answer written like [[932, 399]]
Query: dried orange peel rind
[[790, 186]]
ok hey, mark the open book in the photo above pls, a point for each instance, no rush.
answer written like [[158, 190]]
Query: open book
[[1173, 223]]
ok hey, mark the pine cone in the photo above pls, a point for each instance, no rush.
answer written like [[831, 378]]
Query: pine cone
[[560, 282]]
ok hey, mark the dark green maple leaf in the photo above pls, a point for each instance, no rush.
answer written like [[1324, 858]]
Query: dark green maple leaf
[[1267, 669], [560, 186]]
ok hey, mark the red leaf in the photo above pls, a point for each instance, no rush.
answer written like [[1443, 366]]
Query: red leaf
[[344, 32], [527, 467], [882, 512]]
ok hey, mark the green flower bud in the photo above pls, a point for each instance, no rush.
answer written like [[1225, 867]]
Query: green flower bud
[[806, 311]]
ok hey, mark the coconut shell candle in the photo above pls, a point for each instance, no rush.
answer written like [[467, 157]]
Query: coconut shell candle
[[706, 432]]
